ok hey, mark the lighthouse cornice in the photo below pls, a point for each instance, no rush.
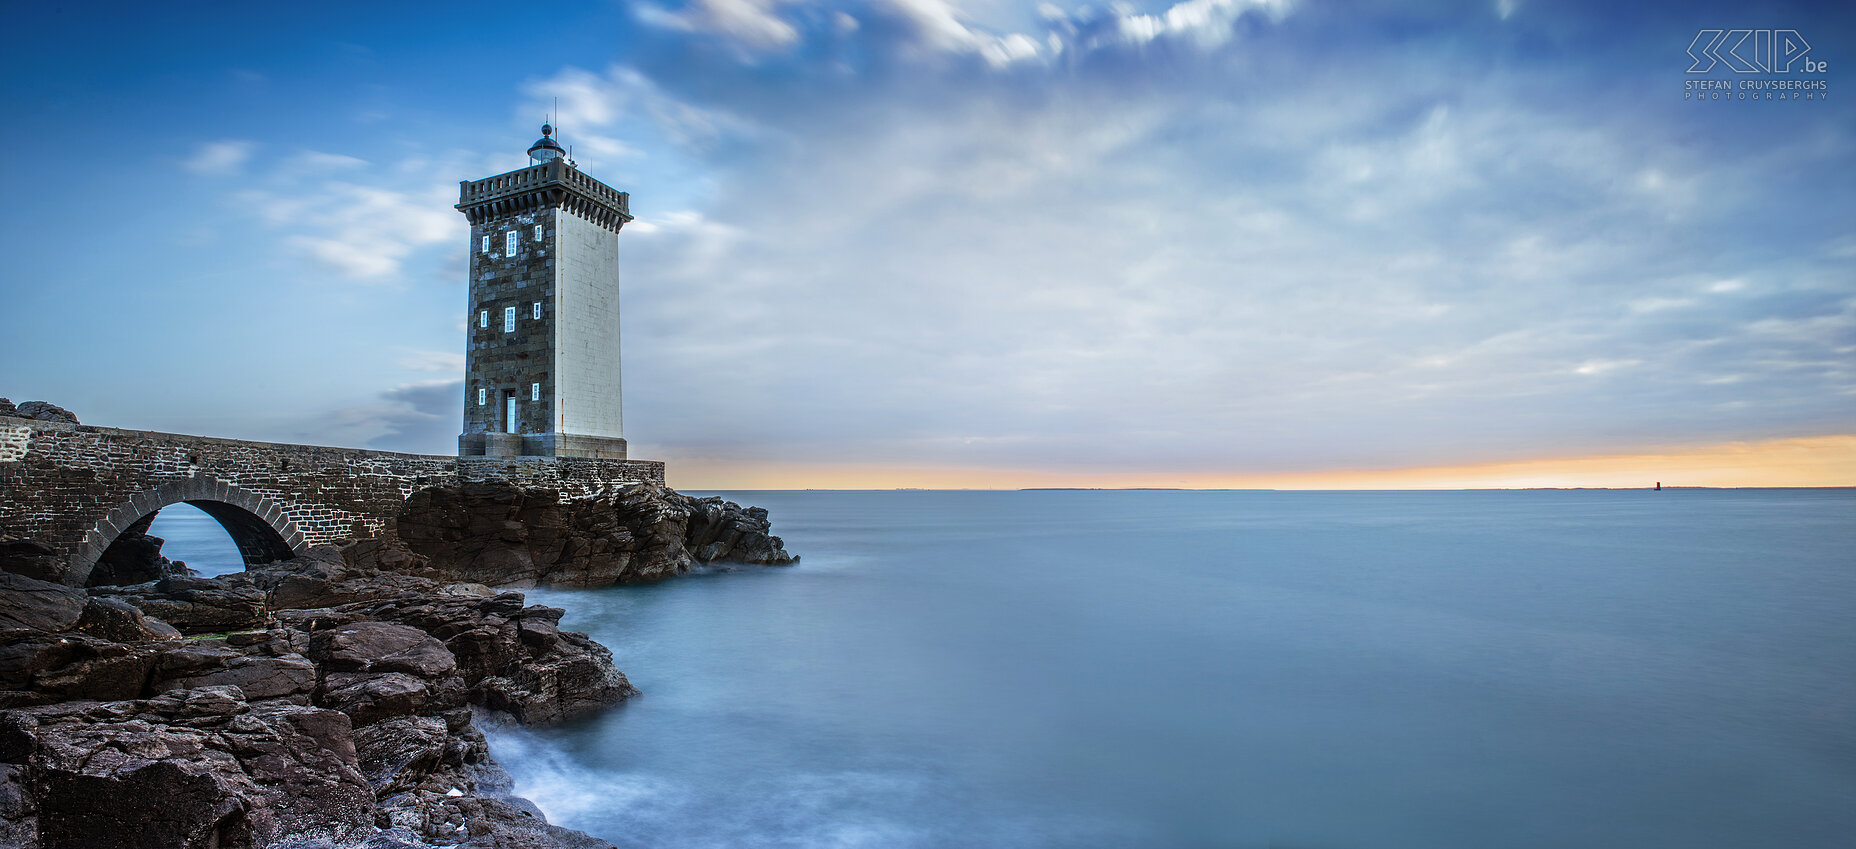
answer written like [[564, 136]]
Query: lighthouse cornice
[[553, 184]]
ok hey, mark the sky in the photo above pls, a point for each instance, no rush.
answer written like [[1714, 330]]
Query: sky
[[969, 243]]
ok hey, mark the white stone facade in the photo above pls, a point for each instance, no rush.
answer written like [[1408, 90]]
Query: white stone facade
[[586, 329]]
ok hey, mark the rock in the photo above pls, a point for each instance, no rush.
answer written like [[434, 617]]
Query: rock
[[575, 678], [320, 578], [512, 657], [258, 677], [382, 647], [19, 814], [38, 605], [32, 559], [198, 605], [403, 752], [191, 769], [474, 822], [263, 665], [118, 621], [368, 698], [134, 558], [339, 726], [498, 533], [7, 408], [39, 668], [44, 411]]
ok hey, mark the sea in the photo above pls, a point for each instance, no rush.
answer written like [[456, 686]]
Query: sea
[[1281, 670]]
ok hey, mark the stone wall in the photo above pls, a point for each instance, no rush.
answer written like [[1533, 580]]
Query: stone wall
[[507, 363], [76, 487]]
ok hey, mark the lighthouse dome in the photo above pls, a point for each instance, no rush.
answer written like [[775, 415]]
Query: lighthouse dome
[[546, 149]]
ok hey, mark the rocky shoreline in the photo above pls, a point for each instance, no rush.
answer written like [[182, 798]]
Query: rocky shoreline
[[330, 701]]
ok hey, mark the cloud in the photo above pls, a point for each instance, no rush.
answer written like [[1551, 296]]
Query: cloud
[[220, 158], [356, 226], [751, 23], [935, 29], [1156, 244], [1205, 22], [445, 361], [418, 418]]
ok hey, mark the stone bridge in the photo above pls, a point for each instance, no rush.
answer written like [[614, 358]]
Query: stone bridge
[[77, 487]]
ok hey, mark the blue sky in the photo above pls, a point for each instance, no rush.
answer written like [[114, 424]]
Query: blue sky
[[1211, 237]]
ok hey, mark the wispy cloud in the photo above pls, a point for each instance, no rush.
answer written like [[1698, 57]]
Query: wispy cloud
[[354, 224], [220, 158], [421, 418], [444, 361]]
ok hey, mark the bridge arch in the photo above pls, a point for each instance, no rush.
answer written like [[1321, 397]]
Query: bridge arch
[[257, 525]]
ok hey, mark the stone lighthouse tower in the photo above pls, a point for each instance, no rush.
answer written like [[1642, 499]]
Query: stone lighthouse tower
[[541, 369]]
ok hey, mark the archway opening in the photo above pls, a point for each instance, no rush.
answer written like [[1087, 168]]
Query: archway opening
[[139, 553], [197, 539], [179, 539]]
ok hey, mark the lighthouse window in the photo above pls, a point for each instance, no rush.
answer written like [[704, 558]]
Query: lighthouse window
[[538, 232], [481, 394], [534, 392], [483, 318], [509, 243], [509, 319], [486, 244], [538, 309]]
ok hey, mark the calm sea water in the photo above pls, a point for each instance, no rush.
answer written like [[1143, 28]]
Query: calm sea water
[[191, 536], [1234, 669]]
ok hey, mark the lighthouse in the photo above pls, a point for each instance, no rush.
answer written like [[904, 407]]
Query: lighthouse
[[541, 351]]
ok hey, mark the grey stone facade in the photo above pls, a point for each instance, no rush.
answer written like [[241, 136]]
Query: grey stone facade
[[542, 330], [76, 487], [500, 364]]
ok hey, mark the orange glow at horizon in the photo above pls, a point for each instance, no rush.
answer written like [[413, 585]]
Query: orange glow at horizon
[[1808, 461]]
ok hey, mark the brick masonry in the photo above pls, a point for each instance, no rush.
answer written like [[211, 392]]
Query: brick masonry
[[507, 363], [543, 319], [76, 487]]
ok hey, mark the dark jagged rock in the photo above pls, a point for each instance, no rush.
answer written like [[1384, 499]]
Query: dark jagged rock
[[264, 665], [195, 768], [30, 558], [44, 411], [498, 533], [198, 605], [119, 621], [348, 727], [38, 605], [135, 558], [39, 668], [326, 702], [321, 578]]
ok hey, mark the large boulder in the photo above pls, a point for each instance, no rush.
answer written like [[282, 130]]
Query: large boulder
[[134, 558], [39, 668], [322, 578], [382, 647], [44, 411], [31, 604], [496, 651], [263, 665], [198, 605], [31, 558], [498, 533], [119, 621]]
